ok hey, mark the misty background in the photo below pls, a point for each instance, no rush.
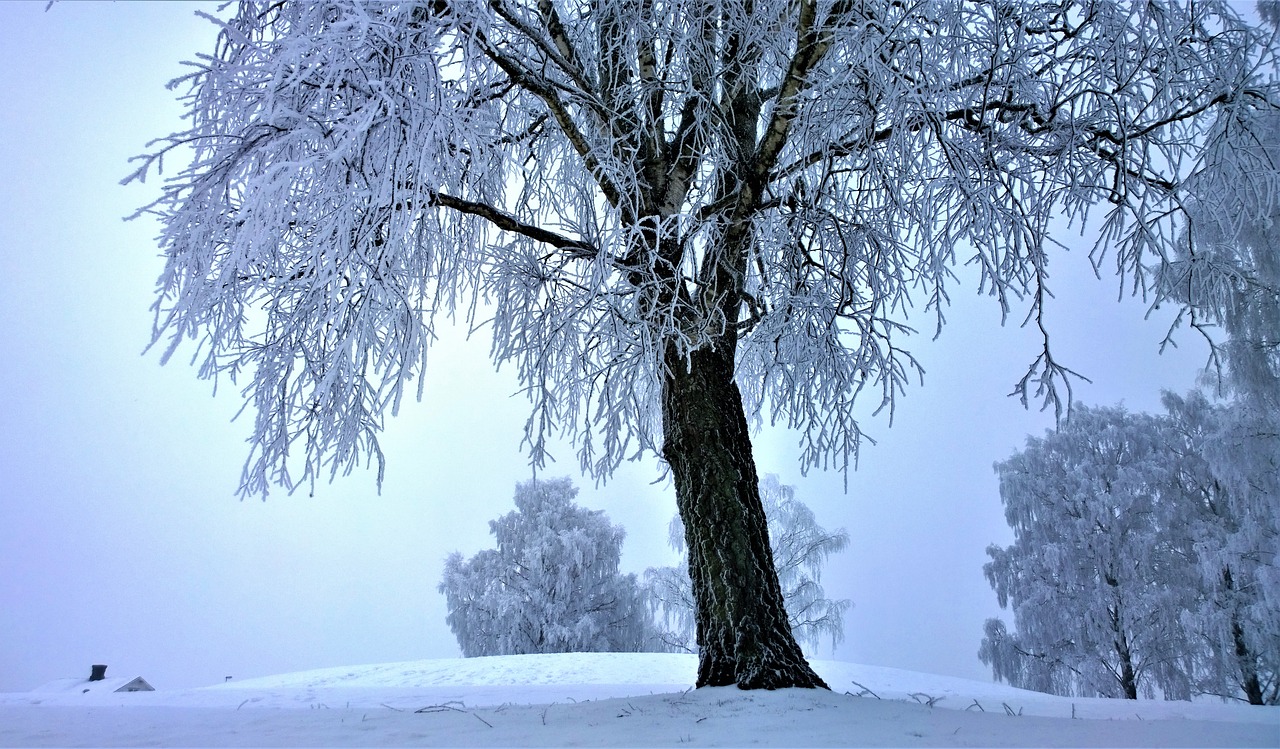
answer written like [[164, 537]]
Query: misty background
[[122, 540]]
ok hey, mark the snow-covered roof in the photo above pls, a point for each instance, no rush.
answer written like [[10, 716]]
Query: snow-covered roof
[[102, 686]]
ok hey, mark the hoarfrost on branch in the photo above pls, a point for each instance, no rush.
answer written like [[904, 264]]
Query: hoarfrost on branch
[[595, 182]]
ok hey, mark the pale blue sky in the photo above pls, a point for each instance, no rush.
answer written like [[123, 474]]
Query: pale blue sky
[[121, 540]]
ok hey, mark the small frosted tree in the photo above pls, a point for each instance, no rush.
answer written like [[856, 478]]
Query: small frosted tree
[[552, 585], [800, 550], [1095, 585], [669, 595], [1024, 666]]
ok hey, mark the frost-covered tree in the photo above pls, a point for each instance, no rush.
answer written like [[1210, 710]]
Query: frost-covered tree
[[800, 550], [1146, 556], [1226, 472], [675, 217], [669, 595], [1229, 463], [552, 585], [1096, 587]]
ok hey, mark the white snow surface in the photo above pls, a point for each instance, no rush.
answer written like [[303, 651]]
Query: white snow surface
[[612, 699]]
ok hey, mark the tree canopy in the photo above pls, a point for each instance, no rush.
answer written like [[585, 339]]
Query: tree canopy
[[1096, 588], [602, 175]]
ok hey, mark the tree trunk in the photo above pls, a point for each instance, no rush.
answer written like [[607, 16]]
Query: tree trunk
[[1129, 681], [743, 634], [1250, 683], [1128, 677]]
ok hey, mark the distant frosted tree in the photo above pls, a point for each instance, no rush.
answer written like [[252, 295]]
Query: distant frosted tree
[[683, 216], [669, 595], [800, 550], [1146, 555], [1227, 472], [1096, 588], [552, 585]]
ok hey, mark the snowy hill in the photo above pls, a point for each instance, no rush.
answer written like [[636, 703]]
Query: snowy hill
[[616, 699]]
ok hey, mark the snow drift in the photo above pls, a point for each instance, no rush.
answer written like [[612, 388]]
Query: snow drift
[[613, 699]]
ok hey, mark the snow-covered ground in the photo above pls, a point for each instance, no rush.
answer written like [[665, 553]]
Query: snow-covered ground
[[616, 699]]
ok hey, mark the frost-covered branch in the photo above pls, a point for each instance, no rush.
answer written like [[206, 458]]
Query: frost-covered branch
[[606, 181]]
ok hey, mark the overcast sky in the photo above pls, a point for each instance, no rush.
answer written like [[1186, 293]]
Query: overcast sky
[[122, 541]]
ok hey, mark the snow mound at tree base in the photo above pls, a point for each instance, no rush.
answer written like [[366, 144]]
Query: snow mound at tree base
[[613, 699]]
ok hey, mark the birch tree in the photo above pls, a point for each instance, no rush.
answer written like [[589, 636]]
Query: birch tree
[[1146, 556], [1228, 463], [1227, 472], [675, 217], [552, 584], [1095, 583]]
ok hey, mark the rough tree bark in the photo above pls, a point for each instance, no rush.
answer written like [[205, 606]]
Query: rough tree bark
[[743, 633]]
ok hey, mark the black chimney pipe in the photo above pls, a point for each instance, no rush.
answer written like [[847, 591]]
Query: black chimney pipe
[[98, 673]]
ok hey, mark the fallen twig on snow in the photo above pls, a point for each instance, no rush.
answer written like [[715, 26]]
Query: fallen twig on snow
[[454, 705]]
